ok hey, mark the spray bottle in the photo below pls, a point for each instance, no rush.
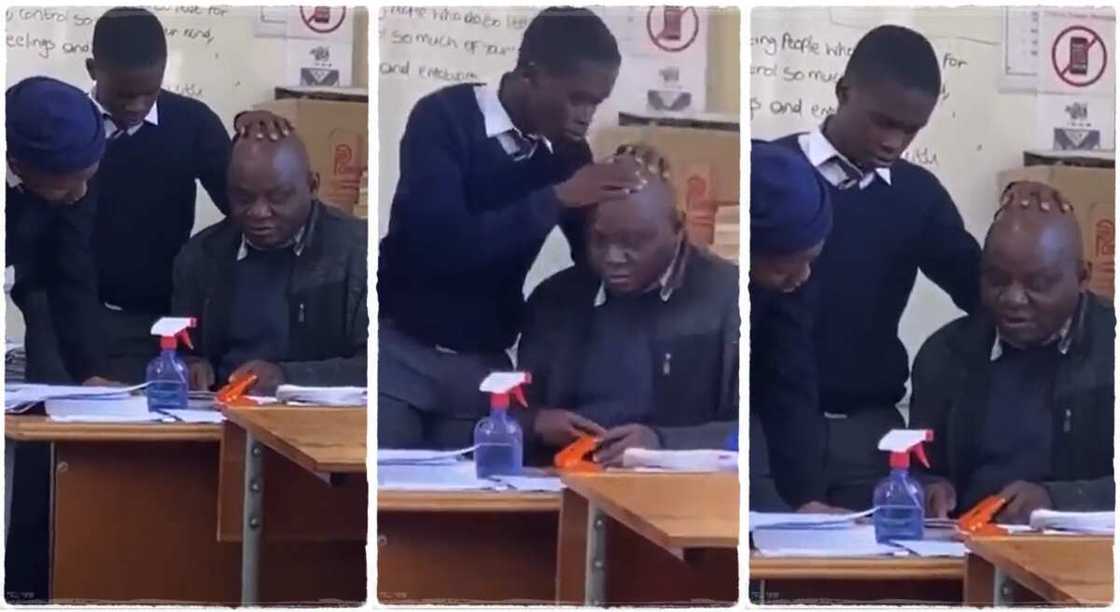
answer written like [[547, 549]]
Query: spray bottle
[[167, 376], [499, 445], [899, 499]]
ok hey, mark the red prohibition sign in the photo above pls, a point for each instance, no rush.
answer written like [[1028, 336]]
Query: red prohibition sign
[[307, 20], [655, 38], [1094, 39]]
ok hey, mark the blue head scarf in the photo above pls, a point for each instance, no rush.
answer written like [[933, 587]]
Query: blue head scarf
[[790, 208], [53, 127]]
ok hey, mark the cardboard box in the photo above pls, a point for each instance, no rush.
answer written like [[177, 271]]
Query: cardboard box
[[1091, 190], [335, 128]]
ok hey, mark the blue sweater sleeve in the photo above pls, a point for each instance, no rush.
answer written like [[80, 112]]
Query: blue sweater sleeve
[[72, 291], [442, 233], [948, 254]]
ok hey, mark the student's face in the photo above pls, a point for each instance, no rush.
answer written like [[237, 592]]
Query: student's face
[[127, 94], [1031, 287], [561, 106], [270, 190], [877, 121], [631, 241], [60, 189], [784, 273]]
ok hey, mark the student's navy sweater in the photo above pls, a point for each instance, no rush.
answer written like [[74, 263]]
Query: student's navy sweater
[[466, 224], [146, 200], [881, 237]]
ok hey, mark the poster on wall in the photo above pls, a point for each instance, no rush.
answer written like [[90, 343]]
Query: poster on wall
[[666, 59], [1076, 52], [1075, 123]]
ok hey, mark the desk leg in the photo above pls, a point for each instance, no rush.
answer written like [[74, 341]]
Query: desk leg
[[1001, 588], [252, 520], [595, 587]]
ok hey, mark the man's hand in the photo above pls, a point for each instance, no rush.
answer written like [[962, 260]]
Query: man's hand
[[602, 181], [620, 438], [1031, 194], [97, 381], [561, 427], [200, 375], [261, 124], [816, 507], [269, 376], [1022, 499], [941, 499]]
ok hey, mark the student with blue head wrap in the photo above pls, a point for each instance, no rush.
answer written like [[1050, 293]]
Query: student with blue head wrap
[[791, 217]]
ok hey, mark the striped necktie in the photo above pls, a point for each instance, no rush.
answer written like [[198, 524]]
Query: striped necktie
[[854, 176]]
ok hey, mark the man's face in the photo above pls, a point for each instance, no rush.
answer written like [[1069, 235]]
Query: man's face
[[1031, 283], [127, 94], [561, 106], [270, 189], [59, 189], [876, 121], [784, 273], [631, 241]]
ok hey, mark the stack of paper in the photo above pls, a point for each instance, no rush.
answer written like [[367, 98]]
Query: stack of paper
[[851, 541], [1096, 523], [390, 456], [427, 470], [797, 520], [18, 397], [681, 460], [321, 396], [101, 409]]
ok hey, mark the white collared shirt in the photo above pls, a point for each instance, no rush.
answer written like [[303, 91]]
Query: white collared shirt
[[498, 123], [13, 178], [111, 127], [662, 283], [1063, 339], [831, 164], [296, 242]]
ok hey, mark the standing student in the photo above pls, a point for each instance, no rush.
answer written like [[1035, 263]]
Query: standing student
[[791, 217], [892, 220], [159, 144], [486, 172]]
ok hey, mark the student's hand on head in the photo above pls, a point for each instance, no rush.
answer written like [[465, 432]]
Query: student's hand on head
[[260, 124], [200, 374], [599, 182], [1022, 499], [941, 499], [1031, 194], [816, 507], [620, 438], [561, 427], [269, 376], [97, 381]]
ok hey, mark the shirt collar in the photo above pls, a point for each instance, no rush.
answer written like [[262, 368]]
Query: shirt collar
[[667, 282], [111, 127], [13, 178], [495, 118], [296, 244], [1063, 337], [830, 162]]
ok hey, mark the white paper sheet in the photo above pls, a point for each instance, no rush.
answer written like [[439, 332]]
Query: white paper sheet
[[854, 541], [548, 484], [322, 396], [458, 476], [1096, 523], [681, 460], [390, 456], [934, 548], [778, 520]]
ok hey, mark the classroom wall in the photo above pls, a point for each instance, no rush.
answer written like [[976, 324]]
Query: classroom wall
[[975, 131]]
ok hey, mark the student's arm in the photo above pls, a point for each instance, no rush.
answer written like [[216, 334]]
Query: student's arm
[[72, 293], [764, 496], [788, 401], [929, 408], [948, 254], [430, 204], [212, 150]]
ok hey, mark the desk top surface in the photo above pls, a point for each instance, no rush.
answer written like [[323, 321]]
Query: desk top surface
[[467, 501], [321, 440], [39, 428], [855, 568], [676, 511], [1074, 570]]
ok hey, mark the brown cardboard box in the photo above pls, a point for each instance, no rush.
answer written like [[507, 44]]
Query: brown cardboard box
[[336, 133], [703, 161], [1091, 191]]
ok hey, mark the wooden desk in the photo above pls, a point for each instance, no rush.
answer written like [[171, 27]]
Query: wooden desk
[[476, 547], [776, 580], [688, 522], [134, 519], [1060, 570], [327, 442]]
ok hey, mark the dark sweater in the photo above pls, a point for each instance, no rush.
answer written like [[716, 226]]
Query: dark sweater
[[146, 200], [50, 247], [466, 224], [784, 393], [326, 297], [691, 348], [881, 237], [615, 385], [259, 322], [952, 384]]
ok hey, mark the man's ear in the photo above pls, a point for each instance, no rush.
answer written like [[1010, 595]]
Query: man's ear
[[531, 72], [842, 91], [313, 182], [1084, 271], [90, 64]]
